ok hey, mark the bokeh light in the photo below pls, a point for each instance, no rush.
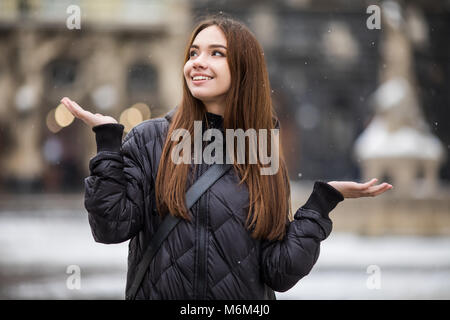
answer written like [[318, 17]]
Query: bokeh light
[[63, 116], [144, 109], [130, 118], [52, 125]]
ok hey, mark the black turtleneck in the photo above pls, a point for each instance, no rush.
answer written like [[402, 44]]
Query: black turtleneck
[[213, 120]]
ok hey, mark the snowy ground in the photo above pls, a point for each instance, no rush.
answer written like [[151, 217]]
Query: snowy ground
[[37, 247]]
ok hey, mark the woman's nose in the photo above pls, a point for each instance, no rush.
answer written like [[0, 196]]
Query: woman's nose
[[199, 62]]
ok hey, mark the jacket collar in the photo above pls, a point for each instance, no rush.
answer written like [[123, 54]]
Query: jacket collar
[[169, 115]]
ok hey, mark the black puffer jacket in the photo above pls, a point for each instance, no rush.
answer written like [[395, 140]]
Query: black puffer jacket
[[211, 257]]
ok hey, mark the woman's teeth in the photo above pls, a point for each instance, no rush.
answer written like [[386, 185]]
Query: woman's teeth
[[201, 78]]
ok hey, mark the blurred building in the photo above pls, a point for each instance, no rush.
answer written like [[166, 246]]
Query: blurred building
[[107, 55], [398, 143], [324, 64]]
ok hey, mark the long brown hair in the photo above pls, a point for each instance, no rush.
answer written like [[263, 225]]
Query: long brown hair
[[248, 105]]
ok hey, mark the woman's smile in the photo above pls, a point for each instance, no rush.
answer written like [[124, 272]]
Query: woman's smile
[[199, 79]]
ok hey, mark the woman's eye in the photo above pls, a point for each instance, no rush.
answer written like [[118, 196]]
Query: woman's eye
[[214, 52], [192, 53]]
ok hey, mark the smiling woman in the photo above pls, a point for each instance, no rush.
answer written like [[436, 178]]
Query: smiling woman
[[237, 89], [206, 72], [237, 239]]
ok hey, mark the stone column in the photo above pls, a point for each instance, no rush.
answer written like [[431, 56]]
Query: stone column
[[24, 165], [398, 141]]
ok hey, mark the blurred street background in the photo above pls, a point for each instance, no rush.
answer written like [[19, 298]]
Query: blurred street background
[[361, 89]]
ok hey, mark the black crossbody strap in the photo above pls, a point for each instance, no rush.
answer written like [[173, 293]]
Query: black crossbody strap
[[202, 184]]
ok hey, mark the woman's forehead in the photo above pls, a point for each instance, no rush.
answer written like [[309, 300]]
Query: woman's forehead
[[210, 35]]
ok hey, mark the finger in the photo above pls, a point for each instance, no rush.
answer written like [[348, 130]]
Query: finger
[[77, 107], [88, 117], [370, 182], [379, 192], [388, 187], [73, 107], [365, 186], [380, 189], [84, 115], [66, 102]]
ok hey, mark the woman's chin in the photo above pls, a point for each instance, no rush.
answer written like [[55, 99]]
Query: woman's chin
[[207, 95], [202, 97]]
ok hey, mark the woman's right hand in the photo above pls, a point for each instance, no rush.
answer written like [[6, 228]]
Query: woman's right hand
[[89, 118]]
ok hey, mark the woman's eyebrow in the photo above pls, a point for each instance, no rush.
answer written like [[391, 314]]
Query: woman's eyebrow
[[210, 46]]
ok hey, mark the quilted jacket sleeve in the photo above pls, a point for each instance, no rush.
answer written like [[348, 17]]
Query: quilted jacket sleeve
[[285, 262], [114, 190]]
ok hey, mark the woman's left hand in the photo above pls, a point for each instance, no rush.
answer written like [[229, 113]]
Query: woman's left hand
[[350, 189]]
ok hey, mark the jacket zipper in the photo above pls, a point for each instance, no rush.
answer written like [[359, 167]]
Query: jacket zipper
[[201, 265]]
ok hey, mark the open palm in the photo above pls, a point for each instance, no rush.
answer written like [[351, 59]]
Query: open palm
[[89, 118], [350, 189]]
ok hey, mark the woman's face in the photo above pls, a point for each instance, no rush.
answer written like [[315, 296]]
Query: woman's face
[[208, 58]]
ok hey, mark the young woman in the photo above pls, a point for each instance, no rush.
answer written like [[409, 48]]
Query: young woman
[[239, 240]]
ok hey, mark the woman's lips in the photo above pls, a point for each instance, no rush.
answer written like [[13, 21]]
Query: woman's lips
[[200, 81]]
